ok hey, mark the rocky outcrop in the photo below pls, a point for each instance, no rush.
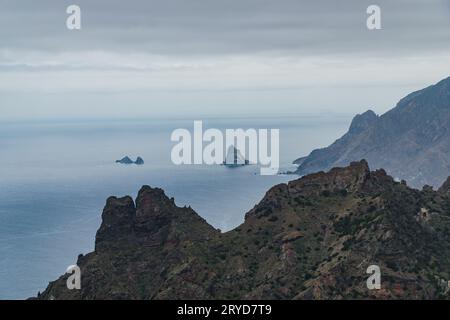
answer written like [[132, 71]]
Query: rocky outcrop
[[312, 238], [362, 122], [410, 141], [139, 161], [127, 160]]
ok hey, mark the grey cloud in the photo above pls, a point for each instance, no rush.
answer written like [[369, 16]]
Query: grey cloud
[[222, 27], [214, 55]]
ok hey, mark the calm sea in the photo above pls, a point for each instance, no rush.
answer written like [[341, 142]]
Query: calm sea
[[56, 176]]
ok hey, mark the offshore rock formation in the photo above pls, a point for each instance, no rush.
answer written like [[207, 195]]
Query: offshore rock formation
[[139, 161], [234, 158], [127, 160], [411, 141], [312, 238]]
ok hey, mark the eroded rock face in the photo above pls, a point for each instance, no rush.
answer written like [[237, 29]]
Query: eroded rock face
[[312, 238], [411, 141], [347, 179]]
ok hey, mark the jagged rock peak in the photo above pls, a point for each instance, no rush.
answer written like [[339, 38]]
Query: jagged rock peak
[[362, 121], [118, 207], [154, 219], [152, 200], [117, 219]]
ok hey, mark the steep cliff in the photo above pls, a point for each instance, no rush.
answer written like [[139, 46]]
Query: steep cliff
[[411, 141]]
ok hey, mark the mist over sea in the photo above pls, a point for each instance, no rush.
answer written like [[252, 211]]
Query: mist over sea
[[55, 178]]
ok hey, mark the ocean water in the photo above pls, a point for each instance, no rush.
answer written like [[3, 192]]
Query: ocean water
[[55, 178]]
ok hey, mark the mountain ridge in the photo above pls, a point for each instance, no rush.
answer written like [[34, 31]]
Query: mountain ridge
[[410, 141], [311, 238]]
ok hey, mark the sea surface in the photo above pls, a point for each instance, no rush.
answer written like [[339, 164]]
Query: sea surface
[[56, 175]]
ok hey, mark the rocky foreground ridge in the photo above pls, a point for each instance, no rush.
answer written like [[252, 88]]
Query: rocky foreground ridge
[[312, 238]]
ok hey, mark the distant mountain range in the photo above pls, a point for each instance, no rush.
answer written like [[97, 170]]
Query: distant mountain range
[[312, 238], [411, 141]]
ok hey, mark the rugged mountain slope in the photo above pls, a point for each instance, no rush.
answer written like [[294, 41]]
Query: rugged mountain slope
[[312, 238], [411, 141]]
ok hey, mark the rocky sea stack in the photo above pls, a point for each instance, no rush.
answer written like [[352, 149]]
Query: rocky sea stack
[[139, 161], [127, 160]]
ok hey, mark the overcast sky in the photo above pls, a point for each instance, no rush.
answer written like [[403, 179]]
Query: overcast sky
[[216, 57]]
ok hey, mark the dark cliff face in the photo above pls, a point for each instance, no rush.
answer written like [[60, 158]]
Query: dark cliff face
[[312, 238], [411, 141]]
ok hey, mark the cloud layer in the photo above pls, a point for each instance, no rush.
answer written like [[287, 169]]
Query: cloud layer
[[245, 53]]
